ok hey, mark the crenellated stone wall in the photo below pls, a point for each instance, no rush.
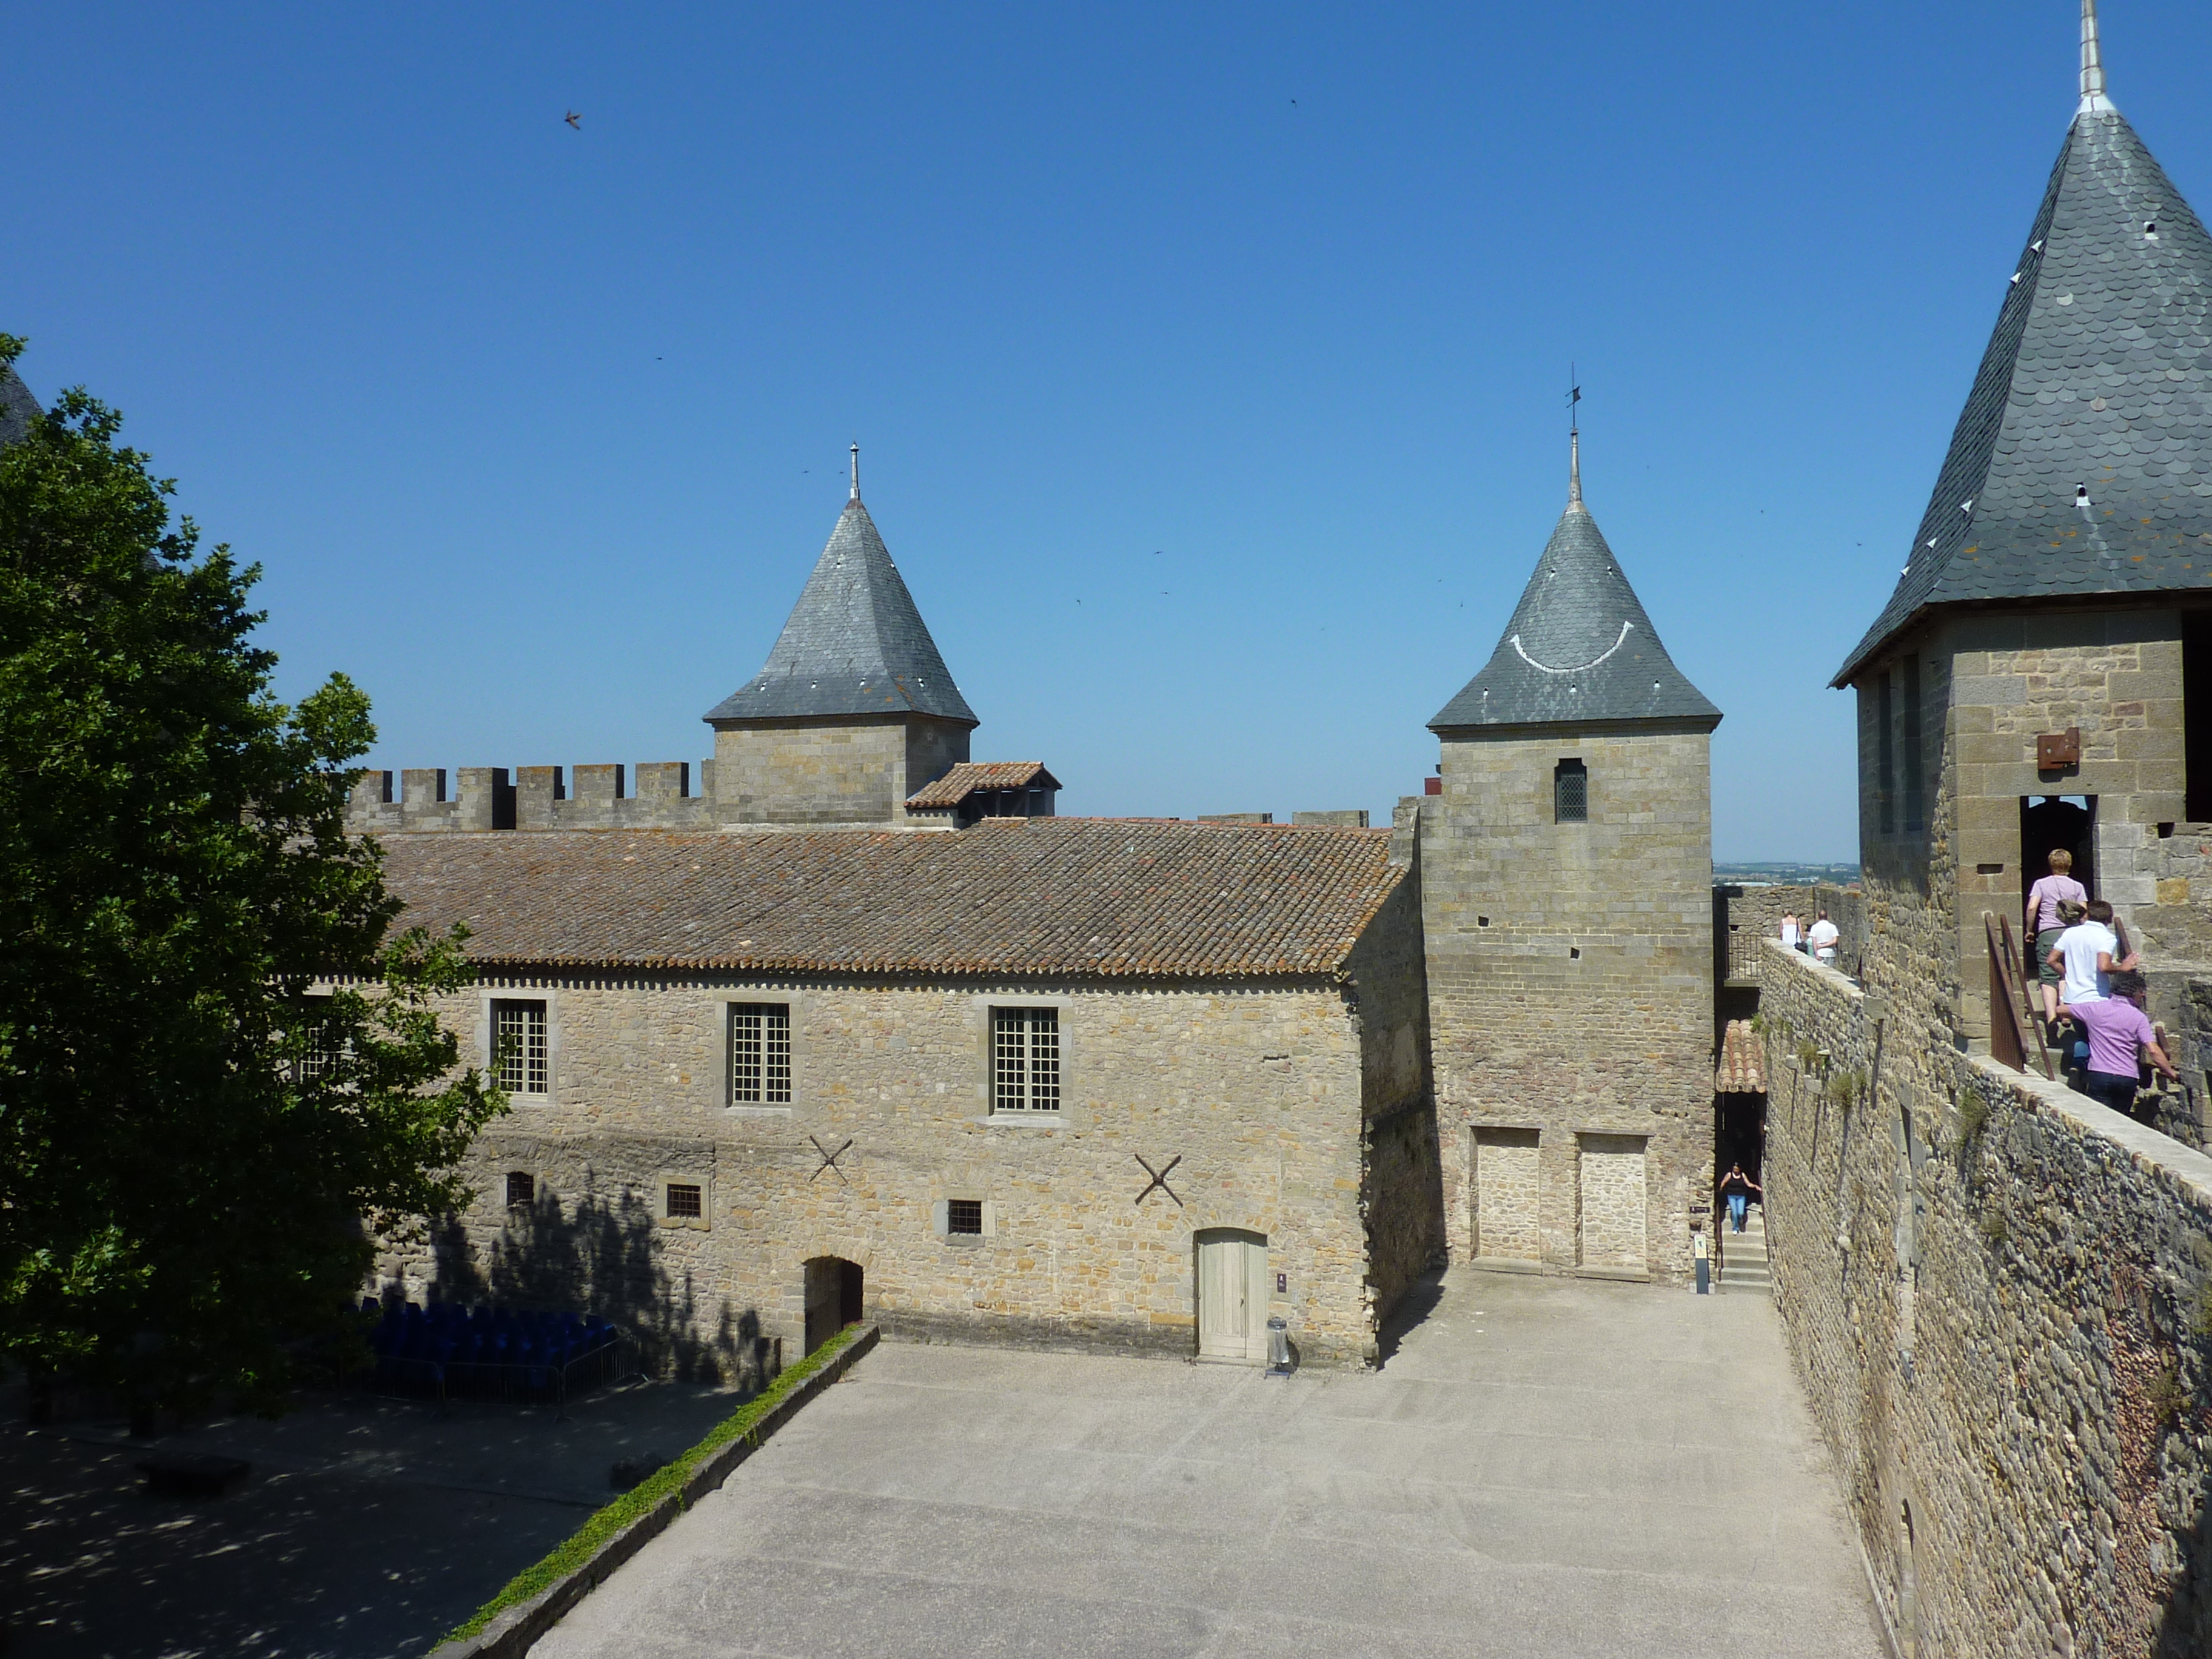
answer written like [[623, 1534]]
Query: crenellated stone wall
[[1999, 1295]]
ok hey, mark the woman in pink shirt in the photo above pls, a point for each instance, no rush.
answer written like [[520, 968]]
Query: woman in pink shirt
[[2044, 926]]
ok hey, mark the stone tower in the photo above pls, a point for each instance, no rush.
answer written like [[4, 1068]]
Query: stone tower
[[1566, 871], [2042, 674], [854, 709]]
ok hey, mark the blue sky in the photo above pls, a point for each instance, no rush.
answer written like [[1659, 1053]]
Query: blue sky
[[1208, 363]]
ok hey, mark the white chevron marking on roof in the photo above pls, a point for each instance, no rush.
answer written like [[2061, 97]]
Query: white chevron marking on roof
[[1546, 668]]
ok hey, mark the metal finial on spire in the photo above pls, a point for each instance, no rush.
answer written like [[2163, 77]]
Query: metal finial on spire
[[2092, 61], [1574, 441], [856, 470]]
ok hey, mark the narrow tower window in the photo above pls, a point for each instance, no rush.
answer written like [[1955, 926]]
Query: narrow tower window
[[1570, 793], [1912, 735], [1885, 741]]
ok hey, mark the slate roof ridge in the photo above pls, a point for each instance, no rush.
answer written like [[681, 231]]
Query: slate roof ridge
[[1579, 649], [855, 642], [2082, 461]]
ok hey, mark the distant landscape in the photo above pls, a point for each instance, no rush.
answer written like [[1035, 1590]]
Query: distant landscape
[[1785, 874]]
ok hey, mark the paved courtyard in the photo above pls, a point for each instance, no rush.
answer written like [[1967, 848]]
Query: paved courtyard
[[1542, 1467]]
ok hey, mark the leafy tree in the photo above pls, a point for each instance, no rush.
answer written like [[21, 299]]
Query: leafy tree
[[192, 1146]]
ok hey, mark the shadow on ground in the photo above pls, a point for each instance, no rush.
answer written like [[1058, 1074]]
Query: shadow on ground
[[1420, 1301], [367, 1528]]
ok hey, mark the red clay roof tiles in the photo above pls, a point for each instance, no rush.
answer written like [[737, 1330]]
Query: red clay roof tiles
[[968, 776], [1048, 897]]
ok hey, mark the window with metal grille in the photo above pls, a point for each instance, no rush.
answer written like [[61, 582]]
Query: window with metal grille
[[683, 1200], [1570, 793], [521, 1190], [325, 1047], [519, 1042], [1025, 1060], [965, 1215], [760, 1055]]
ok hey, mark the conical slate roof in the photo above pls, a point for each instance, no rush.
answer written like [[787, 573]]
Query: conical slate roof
[[855, 643], [1579, 649], [18, 408], [2082, 462]]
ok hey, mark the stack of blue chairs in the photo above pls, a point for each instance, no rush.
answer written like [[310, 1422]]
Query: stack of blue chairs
[[448, 1349]]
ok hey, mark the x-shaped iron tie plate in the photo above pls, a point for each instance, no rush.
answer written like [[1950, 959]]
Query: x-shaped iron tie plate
[[829, 1158], [1159, 1178]]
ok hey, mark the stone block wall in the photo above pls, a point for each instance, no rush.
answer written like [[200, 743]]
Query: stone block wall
[[1751, 916], [1258, 1091], [856, 771], [1571, 981], [1401, 1194], [1998, 1295]]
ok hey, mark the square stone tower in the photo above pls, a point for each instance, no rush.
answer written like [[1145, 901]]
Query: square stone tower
[[1566, 880], [854, 709]]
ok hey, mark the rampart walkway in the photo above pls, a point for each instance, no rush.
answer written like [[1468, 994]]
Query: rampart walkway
[[1544, 1468]]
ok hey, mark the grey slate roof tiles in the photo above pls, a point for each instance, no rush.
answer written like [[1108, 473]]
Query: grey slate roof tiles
[[2098, 376], [855, 643], [1579, 649], [18, 408], [1056, 899]]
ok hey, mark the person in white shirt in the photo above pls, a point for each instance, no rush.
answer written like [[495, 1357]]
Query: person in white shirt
[[2084, 958], [1789, 930], [1823, 937]]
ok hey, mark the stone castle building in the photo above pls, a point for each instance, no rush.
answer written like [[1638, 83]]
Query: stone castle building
[[777, 1058]]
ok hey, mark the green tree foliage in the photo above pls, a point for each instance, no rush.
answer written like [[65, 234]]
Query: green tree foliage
[[192, 1146]]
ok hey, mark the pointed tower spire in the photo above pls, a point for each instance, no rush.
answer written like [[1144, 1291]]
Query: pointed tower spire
[[2092, 61], [1580, 649], [856, 472], [2071, 468]]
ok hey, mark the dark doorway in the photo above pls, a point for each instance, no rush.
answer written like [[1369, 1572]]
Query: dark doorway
[[2048, 823], [2197, 712], [1739, 1134], [834, 1298]]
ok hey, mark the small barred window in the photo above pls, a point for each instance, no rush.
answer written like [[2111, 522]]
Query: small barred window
[[519, 1045], [1571, 792], [965, 1215], [760, 1055], [1025, 1060], [683, 1200], [521, 1190], [325, 1048]]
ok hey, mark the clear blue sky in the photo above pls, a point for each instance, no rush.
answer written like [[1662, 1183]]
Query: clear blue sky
[[1208, 362]]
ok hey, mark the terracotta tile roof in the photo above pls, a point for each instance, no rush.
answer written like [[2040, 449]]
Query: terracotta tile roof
[[965, 778], [1742, 1070], [1047, 898]]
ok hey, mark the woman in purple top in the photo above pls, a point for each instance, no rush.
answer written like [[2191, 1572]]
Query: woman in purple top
[[2118, 1031], [2044, 926]]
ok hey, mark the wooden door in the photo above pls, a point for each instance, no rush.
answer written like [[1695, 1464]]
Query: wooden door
[[1232, 1294]]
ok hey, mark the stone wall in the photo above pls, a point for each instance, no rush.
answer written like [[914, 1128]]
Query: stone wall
[[1401, 1194], [663, 797], [1571, 981], [1998, 1294], [830, 772], [1261, 1092], [1751, 915]]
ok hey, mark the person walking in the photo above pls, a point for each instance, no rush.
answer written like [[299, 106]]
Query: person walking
[[1738, 1189], [1822, 939], [2120, 1037], [2044, 925], [1789, 934], [2087, 954]]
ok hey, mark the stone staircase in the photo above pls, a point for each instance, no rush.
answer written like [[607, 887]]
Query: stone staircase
[[1746, 1270]]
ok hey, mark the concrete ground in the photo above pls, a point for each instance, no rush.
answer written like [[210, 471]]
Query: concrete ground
[[367, 1530], [1543, 1467]]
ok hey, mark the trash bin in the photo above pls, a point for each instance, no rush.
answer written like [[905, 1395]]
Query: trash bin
[[1278, 1346]]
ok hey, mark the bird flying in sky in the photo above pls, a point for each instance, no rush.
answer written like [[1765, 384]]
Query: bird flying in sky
[[574, 121]]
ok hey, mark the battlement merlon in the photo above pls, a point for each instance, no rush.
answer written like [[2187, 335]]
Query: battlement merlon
[[532, 797]]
